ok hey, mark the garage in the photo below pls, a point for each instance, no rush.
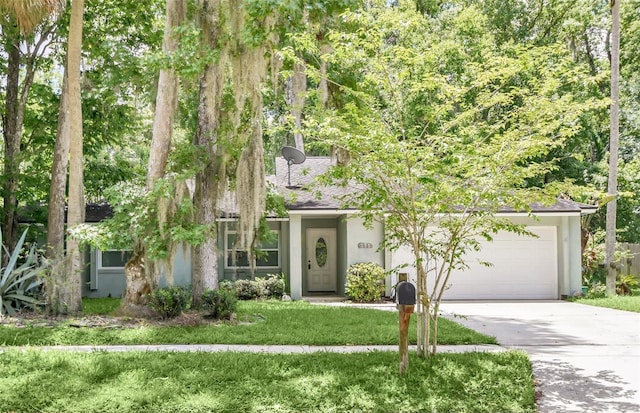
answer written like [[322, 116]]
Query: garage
[[523, 267]]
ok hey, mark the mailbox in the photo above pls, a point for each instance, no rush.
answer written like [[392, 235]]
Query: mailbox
[[406, 293]]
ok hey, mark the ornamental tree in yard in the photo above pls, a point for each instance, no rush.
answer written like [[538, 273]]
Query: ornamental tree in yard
[[443, 128]]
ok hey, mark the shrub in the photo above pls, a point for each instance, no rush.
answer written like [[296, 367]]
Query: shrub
[[273, 285], [169, 302], [220, 303], [19, 283], [246, 289], [596, 290], [365, 282], [227, 285], [625, 284]]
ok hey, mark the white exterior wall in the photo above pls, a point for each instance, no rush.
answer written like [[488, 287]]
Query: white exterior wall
[[295, 256], [364, 245]]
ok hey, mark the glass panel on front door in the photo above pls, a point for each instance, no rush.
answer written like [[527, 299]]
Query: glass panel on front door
[[321, 252]]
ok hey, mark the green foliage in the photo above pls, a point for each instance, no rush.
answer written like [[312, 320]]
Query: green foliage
[[594, 273], [117, 92], [365, 282], [159, 219], [628, 200], [626, 283], [248, 289], [274, 204], [592, 258], [444, 127], [274, 285], [220, 303], [169, 302], [628, 207], [271, 286], [19, 282], [596, 290]]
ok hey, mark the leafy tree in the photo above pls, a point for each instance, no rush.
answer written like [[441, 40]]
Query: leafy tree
[[114, 98], [28, 22], [141, 274], [230, 126], [444, 130]]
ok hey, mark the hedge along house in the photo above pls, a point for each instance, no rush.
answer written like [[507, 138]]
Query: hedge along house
[[318, 241]]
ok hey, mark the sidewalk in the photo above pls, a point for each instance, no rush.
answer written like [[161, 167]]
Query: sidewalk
[[272, 349]]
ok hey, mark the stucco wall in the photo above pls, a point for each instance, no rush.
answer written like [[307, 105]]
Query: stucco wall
[[112, 282], [364, 245]]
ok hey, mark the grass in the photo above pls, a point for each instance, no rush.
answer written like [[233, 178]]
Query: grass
[[262, 322], [99, 306], [34, 381], [620, 302]]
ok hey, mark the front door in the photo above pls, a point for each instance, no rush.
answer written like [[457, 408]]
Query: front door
[[321, 259]]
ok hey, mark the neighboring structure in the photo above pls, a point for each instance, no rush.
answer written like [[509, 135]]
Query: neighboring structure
[[317, 242]]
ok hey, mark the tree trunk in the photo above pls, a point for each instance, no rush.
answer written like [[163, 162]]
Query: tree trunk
[[57, 281], [12, 131], [57, 189], [299, 89], [76, 187], [614, 135], [140, 272], [167, 97], [205, 256], [134, 303], [323, 87]]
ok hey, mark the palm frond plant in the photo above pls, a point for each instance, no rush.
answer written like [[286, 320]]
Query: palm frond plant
[[20, 279]]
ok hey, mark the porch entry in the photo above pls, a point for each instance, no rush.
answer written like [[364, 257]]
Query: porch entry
[[321, 260]]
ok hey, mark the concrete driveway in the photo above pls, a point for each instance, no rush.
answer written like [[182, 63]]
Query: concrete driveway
[[585, 358]]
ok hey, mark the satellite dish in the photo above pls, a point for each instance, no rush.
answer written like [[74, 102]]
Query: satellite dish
[[292, 156]]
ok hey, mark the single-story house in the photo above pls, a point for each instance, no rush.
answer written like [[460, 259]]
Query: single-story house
[[318, 241]]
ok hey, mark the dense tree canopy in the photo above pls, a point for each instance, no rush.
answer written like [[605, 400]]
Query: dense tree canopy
[[458, 78], [446, 127]]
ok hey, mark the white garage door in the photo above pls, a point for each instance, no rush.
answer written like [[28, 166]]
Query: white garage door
[[523, 268]]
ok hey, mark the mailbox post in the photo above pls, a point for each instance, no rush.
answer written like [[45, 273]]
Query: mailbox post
[[406, 301]]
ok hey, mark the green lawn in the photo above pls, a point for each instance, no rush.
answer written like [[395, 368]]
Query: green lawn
[[620, 302], [260, 322], [99, 306], [34, 381]]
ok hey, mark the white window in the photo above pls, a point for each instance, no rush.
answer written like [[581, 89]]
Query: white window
[[267, 256], [112, 259]]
